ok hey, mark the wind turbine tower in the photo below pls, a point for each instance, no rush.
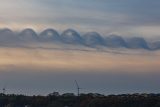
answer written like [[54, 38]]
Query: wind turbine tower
[[78, 88]]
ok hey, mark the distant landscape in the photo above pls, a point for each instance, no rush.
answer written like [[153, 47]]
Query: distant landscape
[[84, 100]]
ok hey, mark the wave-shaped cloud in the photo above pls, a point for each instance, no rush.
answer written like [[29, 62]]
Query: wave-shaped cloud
[[72, 37]]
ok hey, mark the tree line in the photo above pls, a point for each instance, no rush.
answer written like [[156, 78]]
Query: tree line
[[83, 100]]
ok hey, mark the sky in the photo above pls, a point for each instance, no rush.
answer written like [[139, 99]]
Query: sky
[[44, 68], [40, 71], [123, 17]]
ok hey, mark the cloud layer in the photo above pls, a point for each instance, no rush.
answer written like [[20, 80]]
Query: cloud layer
[[124, 17], [71, 38]]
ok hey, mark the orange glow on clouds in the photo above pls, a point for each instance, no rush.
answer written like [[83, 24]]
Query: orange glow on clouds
[[45, 59]]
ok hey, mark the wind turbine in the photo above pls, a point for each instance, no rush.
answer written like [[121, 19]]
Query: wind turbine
[[4, 90], [78, 88]]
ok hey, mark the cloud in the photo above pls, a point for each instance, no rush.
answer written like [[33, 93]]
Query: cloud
[[105, 16], [71, 39], [76, 60]]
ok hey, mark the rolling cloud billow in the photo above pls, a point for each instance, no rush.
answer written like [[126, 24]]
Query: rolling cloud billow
[[71, 37]]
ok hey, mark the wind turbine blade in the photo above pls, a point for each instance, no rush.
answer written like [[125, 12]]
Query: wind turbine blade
[[76, 84]]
